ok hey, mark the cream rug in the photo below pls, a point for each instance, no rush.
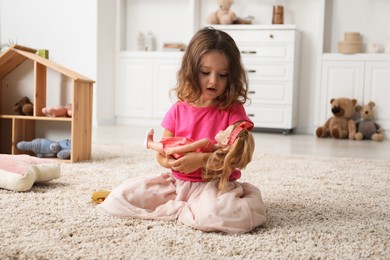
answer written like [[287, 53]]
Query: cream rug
[[318, 208]]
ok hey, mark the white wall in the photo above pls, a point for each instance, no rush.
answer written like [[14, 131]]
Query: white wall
[[104, 94], [67, 29], [308, 16], [70, 30]]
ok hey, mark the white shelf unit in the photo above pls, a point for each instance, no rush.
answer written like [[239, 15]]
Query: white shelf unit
[[177, 24], [177, 20], [24, 73]]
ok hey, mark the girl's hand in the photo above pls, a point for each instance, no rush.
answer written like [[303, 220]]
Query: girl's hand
[[190, 162]]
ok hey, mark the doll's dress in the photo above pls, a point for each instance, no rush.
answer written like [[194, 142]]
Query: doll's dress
[[169, 142]]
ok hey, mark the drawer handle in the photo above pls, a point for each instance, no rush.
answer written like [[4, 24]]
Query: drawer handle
[[271, 36], [248, 52], [251, 115], [251, 71], [251, 92]]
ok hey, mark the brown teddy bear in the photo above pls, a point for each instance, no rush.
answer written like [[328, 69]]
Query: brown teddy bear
[[24, 107], [223, 15], [341, 125], [366, 127]]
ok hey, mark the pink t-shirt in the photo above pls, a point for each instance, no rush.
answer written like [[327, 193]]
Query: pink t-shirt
[[184, 120]]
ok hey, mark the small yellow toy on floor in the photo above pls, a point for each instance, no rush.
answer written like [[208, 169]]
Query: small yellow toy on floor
[[99, 196]]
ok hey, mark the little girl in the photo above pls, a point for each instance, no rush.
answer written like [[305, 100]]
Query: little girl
[[233, 149], [211, 89]]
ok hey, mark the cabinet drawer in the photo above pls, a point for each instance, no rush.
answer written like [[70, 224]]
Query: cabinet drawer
[[270, 36], [269, 71], [273, 92], [269, 116], [267, 52]]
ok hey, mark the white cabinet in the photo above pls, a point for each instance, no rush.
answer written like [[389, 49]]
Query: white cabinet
[[270, 55], [365, 77], [144, 80], [134, 89], [165, 71]]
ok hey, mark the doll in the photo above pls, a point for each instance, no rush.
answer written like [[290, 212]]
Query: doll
[[58, 111], [234, 149]]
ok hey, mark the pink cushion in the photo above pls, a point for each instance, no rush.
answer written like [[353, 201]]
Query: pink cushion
[[20, 172]]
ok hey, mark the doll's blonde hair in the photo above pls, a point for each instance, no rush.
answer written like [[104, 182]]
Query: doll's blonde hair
[[224, 161]]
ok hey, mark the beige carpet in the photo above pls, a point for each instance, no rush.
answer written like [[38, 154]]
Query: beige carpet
[[318, 208]]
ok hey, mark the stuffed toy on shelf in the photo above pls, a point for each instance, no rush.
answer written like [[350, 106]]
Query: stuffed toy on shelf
[[47, 148], [366, 127], [223, 15], [24, 107], [58, 111]]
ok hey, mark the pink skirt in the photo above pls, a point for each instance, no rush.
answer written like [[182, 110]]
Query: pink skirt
[[201, 205]]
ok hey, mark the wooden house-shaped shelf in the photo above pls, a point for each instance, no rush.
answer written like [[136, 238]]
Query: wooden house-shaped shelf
[[15, 128]]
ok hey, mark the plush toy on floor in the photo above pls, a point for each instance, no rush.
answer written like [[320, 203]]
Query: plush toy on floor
[[367, 128], [58, 111], [223, 15], [47, 148], [24, 107], [341, 125], [20, 172]]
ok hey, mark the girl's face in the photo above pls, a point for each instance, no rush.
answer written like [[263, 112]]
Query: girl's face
[[222, 137], [213, 77]]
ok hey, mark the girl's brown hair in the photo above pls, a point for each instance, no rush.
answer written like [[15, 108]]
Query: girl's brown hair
[[223, 161], [206, 40]]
